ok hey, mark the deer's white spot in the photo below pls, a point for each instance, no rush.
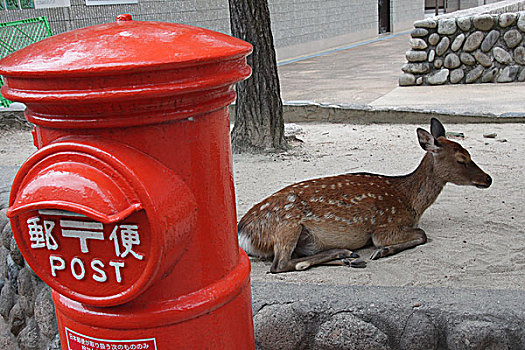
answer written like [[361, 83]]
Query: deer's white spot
[[332, 187], [314, 199], [288, 206], [380, 198], [323, 186], [291, 198], [328, 215], [387, 182], [287, 216], [389, 219], [339, 185], [393, 210], [264, 206]]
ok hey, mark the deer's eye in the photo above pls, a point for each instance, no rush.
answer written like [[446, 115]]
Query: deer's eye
[[462, 162]]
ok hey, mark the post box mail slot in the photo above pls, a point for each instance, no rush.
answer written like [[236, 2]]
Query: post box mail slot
[[87, 223]]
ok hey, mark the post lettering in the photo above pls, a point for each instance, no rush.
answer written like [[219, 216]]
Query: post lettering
[[57, 264], [78, 276], [99, 275], [117, 265]]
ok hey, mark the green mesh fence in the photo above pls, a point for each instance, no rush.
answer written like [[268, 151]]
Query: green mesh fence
[[18, 34]]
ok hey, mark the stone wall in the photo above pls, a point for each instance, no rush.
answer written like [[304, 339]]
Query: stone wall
[[480, 45], [28, 319]]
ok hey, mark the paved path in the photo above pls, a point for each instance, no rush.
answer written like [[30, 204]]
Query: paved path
[[368, 72]]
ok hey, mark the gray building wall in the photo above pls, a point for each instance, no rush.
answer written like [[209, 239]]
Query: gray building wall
[[405, 13], [299, 26]]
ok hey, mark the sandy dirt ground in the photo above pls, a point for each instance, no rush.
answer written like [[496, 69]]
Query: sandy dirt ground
[[476, 237]]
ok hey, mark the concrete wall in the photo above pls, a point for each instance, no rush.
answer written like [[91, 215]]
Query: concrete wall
[[404, 12], [299, 26]]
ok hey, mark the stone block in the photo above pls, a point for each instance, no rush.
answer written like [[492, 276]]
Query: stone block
[[490, 75], [407, 79], [7, 339], [17, 320], [438, 78], [438, 63], [474, 74], [447, 26], [433, 38], [519, 55], [443, 45], [483, 22], [501, 55], [418, 33], [464, 23], [420, 333], [490, 40], [7, 233], [418, 44], [7, 300], [416, 68], [521, 75], [512, 38], [346, 331], [507, 19], [477, 335], [458, 41], [508, 74], [467, 59], [29, 338], [473, 41], [426, 23], [483, 59], [451, 61], [521, 21], [456, 75], [431, 55], [416, 56], [45, 313], [279, 327], [15, 253]]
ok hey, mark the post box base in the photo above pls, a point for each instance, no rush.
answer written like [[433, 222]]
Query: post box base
[[216, 317]]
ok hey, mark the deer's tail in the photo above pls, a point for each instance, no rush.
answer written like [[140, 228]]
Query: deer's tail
[[254, 237]]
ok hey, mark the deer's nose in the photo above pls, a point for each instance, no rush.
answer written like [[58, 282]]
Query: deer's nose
[[489, 180]]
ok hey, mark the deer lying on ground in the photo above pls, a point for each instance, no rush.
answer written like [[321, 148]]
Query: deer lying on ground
[[321, 221]]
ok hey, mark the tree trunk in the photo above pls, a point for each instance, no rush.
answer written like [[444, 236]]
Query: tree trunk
[[259, 124]]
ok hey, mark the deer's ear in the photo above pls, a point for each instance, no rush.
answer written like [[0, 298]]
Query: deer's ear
[[436, 128], [427, 141]]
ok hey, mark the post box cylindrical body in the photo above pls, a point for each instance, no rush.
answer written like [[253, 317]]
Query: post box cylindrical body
[[127, 209]]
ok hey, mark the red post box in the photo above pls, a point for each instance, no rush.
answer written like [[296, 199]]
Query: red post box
[[127, 209]]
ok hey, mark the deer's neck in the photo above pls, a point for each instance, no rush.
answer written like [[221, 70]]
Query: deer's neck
[[423, 186]]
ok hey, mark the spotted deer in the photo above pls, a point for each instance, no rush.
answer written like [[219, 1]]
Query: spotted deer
[[320, 221]]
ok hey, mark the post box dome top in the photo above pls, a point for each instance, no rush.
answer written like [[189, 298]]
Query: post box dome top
[[123, 46]]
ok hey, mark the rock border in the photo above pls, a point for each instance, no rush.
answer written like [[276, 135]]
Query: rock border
[[306, 316]]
